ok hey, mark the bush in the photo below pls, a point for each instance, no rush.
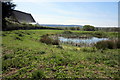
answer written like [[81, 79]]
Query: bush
[[60, 46], [18, 38], [99, 34], [14, 63], [46, 39], [109, 44], [8, 56], [118, 44], [42, 52], [38, 75], [88, 28]]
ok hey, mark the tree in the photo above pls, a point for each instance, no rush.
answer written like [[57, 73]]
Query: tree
[[7, 8], [77, 28], [88, 28], [72, 28]]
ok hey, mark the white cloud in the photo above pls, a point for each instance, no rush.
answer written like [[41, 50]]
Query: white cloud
[[56, 19], [68, 16]]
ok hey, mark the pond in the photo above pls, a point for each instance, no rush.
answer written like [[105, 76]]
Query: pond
[[91, 40]]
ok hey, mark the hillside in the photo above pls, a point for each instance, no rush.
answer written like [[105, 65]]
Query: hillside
[[24, 56]]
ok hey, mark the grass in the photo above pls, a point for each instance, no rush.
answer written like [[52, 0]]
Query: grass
[[110, 44], [24, 56]]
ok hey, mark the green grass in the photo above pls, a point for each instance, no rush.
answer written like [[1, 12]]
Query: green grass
[[24, 56]]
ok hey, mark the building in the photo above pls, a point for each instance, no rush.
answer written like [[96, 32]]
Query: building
[[22, 17]]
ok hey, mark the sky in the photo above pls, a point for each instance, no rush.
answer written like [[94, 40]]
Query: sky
[[98, 14]]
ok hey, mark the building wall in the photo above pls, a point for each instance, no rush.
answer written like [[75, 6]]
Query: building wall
[[23, 17]]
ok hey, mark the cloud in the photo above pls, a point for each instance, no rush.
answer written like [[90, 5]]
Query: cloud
[[56, 19], [55, 13]]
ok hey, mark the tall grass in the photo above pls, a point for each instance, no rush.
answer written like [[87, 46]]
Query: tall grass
[[46, 39], [109, 44], [31, 58]]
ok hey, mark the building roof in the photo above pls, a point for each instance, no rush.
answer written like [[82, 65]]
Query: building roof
[[23, 17]]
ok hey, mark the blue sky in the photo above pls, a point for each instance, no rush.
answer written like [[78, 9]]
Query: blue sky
[[80, 13]]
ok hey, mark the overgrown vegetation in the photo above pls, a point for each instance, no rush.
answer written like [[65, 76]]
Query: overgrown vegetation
[[26, 53], [24, 26], [109, 44], [7, 8], [88, 28], [30, 58], [99, 34], [46, 39]]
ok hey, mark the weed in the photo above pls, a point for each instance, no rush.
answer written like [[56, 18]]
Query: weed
[[46, 39], [8, 56], [60, 46], [42, 52], [38, 74], [110, 44], [62, 63]]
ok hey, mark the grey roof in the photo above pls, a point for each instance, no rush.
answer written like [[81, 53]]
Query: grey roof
[[23, 17]]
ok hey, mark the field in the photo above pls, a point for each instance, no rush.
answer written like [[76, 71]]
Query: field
[[24, 56]]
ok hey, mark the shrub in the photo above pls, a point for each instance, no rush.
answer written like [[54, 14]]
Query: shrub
[[67, 32], [60, 46], [88, 28], [72, 28], [6, 64], [38, 74], [111, 63], [87, 49], [99, 34], [55, 42], [118, 43], [42, 52], [8, 56], [18, 38], [14, 63], [46, 39], [101, 45], [109, 44]]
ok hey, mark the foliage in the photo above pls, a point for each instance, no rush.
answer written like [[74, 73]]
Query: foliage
[[72, 28], [110, 44], [7, 8], [108, 29], [24, 26], [30, 58], [38, 75], [88, 28], [99, 34], [46, 39]]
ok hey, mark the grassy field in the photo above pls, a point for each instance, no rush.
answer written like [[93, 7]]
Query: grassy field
[[24, 56]]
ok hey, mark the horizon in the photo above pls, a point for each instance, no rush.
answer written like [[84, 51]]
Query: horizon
[[82, 25], [104, 14]]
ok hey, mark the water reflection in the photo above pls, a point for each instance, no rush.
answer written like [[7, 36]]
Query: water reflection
[[82, 40]]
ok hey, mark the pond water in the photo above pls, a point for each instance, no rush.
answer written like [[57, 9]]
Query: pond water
[[82, 40]]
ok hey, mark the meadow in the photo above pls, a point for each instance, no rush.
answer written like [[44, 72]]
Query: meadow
[[24, 56]]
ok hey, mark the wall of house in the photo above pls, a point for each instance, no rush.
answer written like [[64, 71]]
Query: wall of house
[[23, 17]]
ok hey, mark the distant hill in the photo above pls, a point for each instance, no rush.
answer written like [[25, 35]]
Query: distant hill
[[55, 25]]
